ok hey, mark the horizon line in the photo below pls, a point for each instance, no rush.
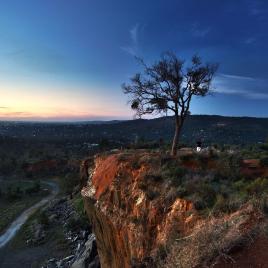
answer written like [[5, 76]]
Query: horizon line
[[120, 120]]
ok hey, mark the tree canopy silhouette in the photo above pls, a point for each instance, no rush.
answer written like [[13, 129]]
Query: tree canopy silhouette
[[169, 85]]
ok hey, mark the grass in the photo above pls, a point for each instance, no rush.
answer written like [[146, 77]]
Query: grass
[[214, 237], [54, 237], [10, 210], [13, 205], [82, 222]]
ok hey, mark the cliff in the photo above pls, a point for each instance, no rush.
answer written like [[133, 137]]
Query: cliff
[[139, 220], [132, 218]]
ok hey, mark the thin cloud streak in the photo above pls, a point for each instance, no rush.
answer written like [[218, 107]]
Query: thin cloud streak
[[243, 93], [244, 86], [134, 33], [197, 31], [133, 48], [250, 40], [232, 76]]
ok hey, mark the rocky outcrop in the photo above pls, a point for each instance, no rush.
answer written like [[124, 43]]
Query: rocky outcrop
[[88, 257], [134, 213], [81, 242]]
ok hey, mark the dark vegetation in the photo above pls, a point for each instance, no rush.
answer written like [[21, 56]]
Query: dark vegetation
[[216, 180], [44, 150], [59, 147], [15, 197]]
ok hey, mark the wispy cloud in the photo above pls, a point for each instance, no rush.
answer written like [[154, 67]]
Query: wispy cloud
[[232, 76], [3, 107], [250, 40], [256, 9], [244, 86], [198, 31], [133, 48], [130, 50], [134, 33], [243, 93]]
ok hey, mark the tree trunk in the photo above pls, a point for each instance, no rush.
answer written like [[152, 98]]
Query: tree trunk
[[176, 136]]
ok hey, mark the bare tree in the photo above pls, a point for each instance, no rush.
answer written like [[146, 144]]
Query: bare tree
[[169, 86]]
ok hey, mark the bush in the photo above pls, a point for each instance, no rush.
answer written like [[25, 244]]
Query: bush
[[203, 161], [79, 207], [187, 157], [151, 194], [43, 218], [35, 188], [264, 147], [264, 161], [11, 194], [258, 186], [205, 196], [69, 182], [228, 167], [154, 176], [176, 175]]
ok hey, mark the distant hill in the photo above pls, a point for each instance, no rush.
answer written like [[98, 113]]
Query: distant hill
[[208, 128]]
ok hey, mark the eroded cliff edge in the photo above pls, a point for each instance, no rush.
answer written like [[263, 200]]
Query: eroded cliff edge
[[139, 220], [133, 215]]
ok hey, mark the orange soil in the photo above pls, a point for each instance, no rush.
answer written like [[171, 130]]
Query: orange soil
[[104, 174]]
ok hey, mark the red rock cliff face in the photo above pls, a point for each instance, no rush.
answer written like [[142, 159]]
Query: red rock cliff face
[[133, 215]]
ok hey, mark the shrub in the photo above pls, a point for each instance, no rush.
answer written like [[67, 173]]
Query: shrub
[[11, 194], [258, 186], [213, 154], [43, 218], [35, 188], [264, 147], [78, 221], [80, 209], [221, 205], [265, 204], [69, 182], [154, 176], [143, 186], [151, 194], [174, 173], [228, 167], [204, 197], [135, 163], [165, 159], [264, 161], [203, 161], [162, 251], [187, 157]]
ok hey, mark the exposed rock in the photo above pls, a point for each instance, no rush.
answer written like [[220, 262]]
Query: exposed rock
[[131, 218], [85, 171], [89, 256], [81, 242]]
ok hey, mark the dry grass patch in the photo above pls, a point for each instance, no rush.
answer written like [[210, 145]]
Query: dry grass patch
[[212, 238]]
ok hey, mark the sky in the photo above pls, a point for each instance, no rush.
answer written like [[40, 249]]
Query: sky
[[65, 60]]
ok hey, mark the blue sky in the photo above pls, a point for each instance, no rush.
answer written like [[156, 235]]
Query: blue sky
[[66, 60]]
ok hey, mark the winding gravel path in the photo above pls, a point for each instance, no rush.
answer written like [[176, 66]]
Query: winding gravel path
[[17, 223]]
